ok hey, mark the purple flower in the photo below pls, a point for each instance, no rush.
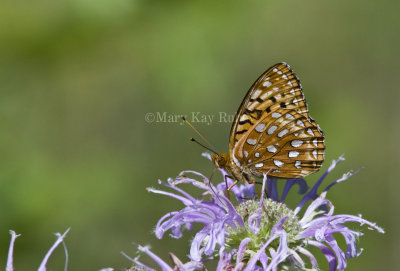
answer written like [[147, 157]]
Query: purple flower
[[178, 265], [50, 252], [258, 234], [217, 215]]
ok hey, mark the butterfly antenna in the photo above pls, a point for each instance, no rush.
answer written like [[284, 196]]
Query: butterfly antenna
[[204, 146], [202, 137]]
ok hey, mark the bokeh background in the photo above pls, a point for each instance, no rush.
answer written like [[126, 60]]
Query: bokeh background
[[78, 77]]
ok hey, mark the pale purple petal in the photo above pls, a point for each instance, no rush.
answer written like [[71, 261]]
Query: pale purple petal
[[264, 260], [212, 241], [186, 201], [264, 183], [320, 201], [312, 194], [351, 243], [202, 185], [195, 252], [240, 267], [296, 257], [254, 259], [178, 265], [189, 266], [273, 255], [141, 266], [60, 239], [163, 265], [309, 255], [334, 224], [343, 178], [282, 253], [278, 227], [328, 253], [244, 192], [272, 189], [160, 230], [254, 220], [303, 187], [342, 263], [10, 258], [224, 261], [242, 248]]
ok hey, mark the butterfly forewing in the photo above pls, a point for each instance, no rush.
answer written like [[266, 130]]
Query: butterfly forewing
[[277, 87], [273, 132]]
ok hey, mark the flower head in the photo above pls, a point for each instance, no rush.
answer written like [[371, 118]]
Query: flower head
[[217, 215], [259, 234]]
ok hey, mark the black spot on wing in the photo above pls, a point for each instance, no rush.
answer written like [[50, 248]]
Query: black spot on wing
[[245, 121], [241, 132], [258, 100], [250, 112]]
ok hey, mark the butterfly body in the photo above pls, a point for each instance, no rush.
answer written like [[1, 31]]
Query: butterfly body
[[222, 160], [273, 132]]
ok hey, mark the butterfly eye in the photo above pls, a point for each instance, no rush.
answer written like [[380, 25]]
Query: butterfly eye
[[222, 160], [219, 160], [216, 159]]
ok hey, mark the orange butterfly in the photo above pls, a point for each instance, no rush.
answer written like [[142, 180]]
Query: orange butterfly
[[273, 132]]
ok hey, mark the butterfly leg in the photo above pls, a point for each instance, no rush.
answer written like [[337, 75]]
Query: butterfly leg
[[257, 190], [209, 181], [228, 189]]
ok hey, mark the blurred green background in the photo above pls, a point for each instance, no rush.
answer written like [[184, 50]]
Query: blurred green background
[[78, 77]]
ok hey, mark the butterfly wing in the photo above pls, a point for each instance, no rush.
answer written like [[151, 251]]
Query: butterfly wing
[[273, 132]]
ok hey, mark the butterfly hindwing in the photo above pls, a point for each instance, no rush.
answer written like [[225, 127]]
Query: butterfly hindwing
[[271, 123]]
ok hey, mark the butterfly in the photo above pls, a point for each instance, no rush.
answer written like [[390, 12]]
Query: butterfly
[[272, 132]]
